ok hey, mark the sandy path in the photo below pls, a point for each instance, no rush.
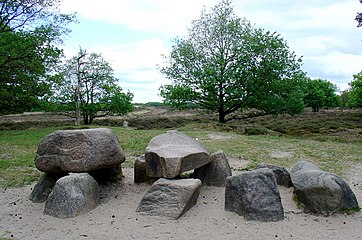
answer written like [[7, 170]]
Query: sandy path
[[116, 218]]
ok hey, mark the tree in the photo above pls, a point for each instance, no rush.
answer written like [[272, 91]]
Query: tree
[[359, 18], [229, 65], [319, 93], [356, 90], [90, 89], [180, 97], [29, 33]]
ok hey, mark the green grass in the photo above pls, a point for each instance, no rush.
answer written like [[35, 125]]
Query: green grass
[[336, 147]]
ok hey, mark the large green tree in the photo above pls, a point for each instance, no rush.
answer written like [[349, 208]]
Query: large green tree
[[230, 65], [90, 89], [319, 93], [30, 32]]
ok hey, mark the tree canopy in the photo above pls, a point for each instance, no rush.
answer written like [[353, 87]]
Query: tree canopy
[[319, 93], [90, 89], [355, 93], [30, 32], [229, 65]]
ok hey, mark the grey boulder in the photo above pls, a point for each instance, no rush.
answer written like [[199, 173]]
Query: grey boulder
[[170, 154], [79, 151], [254, 195], [139, 168], [321, 192], [44, 187], [215, 172], [281, 173], [170, 198], [73, 195]]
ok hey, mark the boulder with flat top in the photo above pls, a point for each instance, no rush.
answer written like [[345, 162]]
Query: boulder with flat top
[[170, 154]]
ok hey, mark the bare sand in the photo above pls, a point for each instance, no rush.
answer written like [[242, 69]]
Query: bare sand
[[116, 218]]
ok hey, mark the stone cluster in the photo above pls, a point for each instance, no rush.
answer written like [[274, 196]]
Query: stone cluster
[[72, 161], [75, 161]]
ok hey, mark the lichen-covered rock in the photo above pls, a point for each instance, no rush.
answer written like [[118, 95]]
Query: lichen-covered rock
[[79, 151], [170, 154], [281, 173], [170, 198], [321, 192], [254, 195], [73, 195], [215, 172], [44, 187]]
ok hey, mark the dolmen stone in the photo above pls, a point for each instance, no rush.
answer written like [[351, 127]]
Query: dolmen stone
[[170, 154], [139, 169], [321, 192], [79, 151], [215, 172], [254, 195], [281, 173], [170, 198], [73, 195], [44, 187]]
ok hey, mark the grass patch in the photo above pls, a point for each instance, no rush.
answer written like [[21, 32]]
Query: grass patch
[[335, 147]]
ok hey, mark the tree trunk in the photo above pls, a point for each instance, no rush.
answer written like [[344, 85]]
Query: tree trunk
[[222, 116], [77, 105]]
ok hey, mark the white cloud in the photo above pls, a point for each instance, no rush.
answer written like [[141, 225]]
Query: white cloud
[[324, 32]]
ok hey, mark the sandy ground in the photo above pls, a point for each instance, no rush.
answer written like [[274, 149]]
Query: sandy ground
[[116, 218]]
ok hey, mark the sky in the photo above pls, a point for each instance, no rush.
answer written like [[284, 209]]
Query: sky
[[132, 35]]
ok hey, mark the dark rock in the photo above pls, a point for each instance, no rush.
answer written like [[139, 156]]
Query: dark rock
[[321, 192], [73, 195], [44, 187], [140, 175], [281, 173], [254, 195], [170, 198], [215, 172], [79, 151], [170, 154]]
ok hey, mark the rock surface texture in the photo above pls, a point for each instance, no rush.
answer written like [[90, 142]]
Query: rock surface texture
[[170, 198], [73, 195], [281, 173], [215, 172], [321, 192], [254, 195], [139, 168], [44, 187], [79, 151], [170, 154]]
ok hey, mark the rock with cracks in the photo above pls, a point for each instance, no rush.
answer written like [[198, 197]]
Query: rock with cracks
[[321, 192], [170, 154], [254, 195], [79, 151], [73, 195], [281, 173], [216, 172], [170, 198]]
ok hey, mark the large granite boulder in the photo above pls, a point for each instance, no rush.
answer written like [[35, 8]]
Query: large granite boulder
[[170, 198], [170, 154], [254, 195], [73, 195], [215, 172], [139, 168], [44, 187], [321, 192], [281, 173], [79, 151]]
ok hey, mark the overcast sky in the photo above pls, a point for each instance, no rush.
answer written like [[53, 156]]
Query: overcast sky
[[132, 35]]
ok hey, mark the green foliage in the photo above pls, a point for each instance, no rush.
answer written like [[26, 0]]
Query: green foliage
[[228, 65], [29, 33], [319, 94], [356, 90], [179, 97], [90, 89]]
